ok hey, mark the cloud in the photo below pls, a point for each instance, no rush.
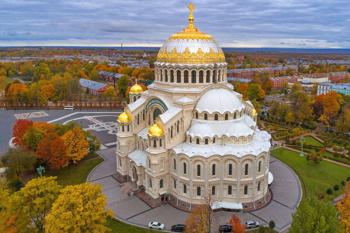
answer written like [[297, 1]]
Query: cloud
[[269, 23]]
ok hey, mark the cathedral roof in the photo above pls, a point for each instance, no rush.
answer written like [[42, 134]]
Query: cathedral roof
[[136, 89], [191, 46]]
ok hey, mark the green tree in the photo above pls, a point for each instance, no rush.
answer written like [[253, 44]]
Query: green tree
[[33, 202], [122, 85], [313, 216], [343, 122], [79, 208], [32, 138], [255, 92], [18, 161]]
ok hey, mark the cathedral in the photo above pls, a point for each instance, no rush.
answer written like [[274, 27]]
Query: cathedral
[[190, 139]]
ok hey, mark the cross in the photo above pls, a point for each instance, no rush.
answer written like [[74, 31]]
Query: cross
[[191, 7]]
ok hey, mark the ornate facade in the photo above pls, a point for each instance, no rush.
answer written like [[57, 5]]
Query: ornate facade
[[190, 137]]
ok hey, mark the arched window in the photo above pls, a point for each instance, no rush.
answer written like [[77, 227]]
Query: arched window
[[259, 166], [258, 186], [226, 116], [201, 74], [245, 189], [196, 115], [150, 182], [178, 126], [198, 170], [185, 168], [230, 169], [194, 76], [214, 77], [174, 164], [216, 117], [229, 190], [174, 184], [190, 139], [166, 75], [246, 169], [128, 127], [186, 76], [206, 141], [160, 142], [171, 132], [197, 141], [198, 191], [208, 76], [213, 169], [138, 118], [205, 116], [154, 143], [171, 76], [178, 76], [185, 188], [219, 75], [234, 115], [123, 128], [212, 190], [161, 183]]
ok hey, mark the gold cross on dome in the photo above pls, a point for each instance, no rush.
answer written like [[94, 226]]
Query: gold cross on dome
[[191, 7]]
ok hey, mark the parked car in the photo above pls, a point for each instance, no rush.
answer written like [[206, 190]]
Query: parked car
[[225, 228], [178, 228], [156, 225], [252, 224]]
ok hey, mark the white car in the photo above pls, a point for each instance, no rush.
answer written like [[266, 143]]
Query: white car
[[252, 224], [156, 225]]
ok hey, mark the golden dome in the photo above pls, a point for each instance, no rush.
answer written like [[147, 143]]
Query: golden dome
[[136, 89], [155, 131], [124, 118], [191, 46], [254, 112]]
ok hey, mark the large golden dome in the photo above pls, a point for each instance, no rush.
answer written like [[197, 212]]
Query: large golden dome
[[136, 89], [124, 118], [191, 46], [155, 131]]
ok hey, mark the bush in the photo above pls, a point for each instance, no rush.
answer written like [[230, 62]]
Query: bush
[[329, 191], [336, 187], [347, 179], [272, 224]]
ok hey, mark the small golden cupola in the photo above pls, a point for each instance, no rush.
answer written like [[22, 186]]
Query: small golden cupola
[[155, 131], [136, 89], [124, 118]]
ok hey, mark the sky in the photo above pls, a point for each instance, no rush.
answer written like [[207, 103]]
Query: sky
[[233, 23]]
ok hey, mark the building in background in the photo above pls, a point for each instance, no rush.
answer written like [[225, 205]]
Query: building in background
[[92, 87], [341, 88]]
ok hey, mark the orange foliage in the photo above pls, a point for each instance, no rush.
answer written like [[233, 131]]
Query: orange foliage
[[77, 147], [44, 127], [19, 130], [327, 106], [17, 88], [242, 88], [237, 226]]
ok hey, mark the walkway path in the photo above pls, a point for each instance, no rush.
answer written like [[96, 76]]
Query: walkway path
[[286, 191]]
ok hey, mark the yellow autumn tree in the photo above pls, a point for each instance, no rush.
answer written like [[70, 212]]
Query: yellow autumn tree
[[33, 202], [344, 209], [198, 220], [79, 208], [77, 147], [7, 213]]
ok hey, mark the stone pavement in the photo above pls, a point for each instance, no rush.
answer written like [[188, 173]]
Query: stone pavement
[[286, 191]]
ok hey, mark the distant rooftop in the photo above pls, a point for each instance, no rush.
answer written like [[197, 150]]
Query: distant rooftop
[[92, 85]]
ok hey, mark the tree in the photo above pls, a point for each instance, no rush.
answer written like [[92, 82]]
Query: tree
[[109, 92], [237, 226], [7, 213], [33, 202], [32, 138], [343, 122], [327, 106], [314, 156], [79, 208], [301, 104], [19, 129], [198, 220], [255, 92], [122, 85], [314, 215], [77, 147], [52, 151], [344, 209], [242, 88], [18, 161]]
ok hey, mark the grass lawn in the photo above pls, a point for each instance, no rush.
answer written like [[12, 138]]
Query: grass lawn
[[317, 178], [76, 174], [308, 140], [120, 227]]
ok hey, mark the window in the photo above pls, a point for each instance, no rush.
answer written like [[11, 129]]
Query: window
[[178, 76], [258, 186], [123, 128], [198, 191], [206, 141], [246, 169], [198, 170], [185, 168], [128, 128], [196, 115], [174, 184], [194, 76], [174, 164], [216, 117], [226, 116], [234, 115], [161, 183], [205, 116], [197, 141], [259, 166], [208, 76], [213, 190], [171, 132], [201, 74], [185, 188], [213, 169], [149, 163], [214, 77], [166, 75], [245, 189], [186, 76], [178, 126], [138, 119], [229, 190], [171, 76], [190, 139], [120, 162], [214, 140], [230, 169], [160, 142], [150, 182], [154, 143]]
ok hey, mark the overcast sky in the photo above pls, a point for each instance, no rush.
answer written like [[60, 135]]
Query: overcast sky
[[233, 23]]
